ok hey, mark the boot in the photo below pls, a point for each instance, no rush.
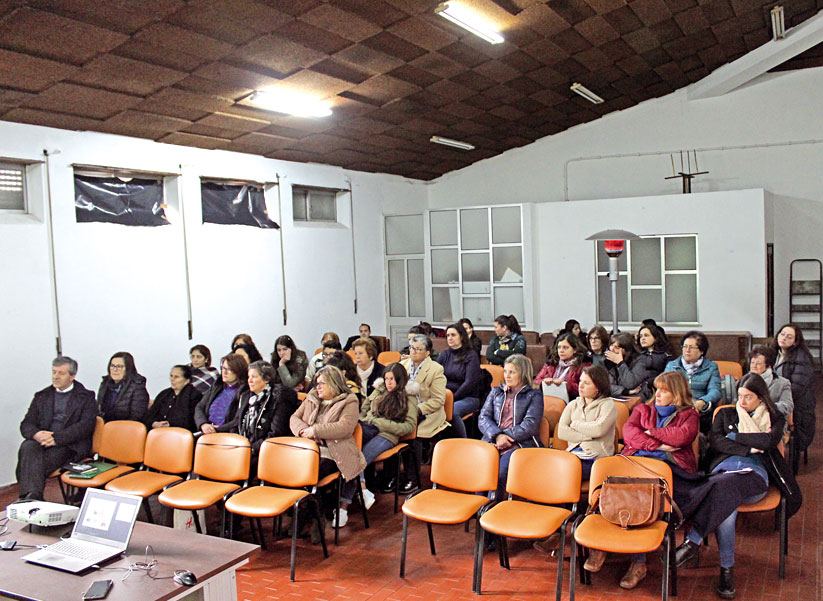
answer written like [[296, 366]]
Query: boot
[[595, 560], [636, 573], [547, 545], [725, 588], [685, 553]]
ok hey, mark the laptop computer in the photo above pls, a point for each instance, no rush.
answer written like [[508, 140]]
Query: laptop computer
[[102, 531]]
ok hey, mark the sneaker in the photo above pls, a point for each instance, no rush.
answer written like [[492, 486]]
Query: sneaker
[[343, 516], [368, 498]]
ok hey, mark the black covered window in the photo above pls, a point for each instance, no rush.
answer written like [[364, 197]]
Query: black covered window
[[123, 200], [231, 203]]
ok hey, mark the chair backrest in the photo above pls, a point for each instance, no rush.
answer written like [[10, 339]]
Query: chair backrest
[[731, 368], [448, 406], [222, 456], [301, 396], [97, 437], [558, 443], [358, 436], [465, 464], [545, 433], [350, 353], [545, 475], [123, 441], [552, 410], [410, 436], [718, 408], [497, 373], [622, 418], [620, 465], [169, 450], [317, 351], [289, 461], [387, 357]]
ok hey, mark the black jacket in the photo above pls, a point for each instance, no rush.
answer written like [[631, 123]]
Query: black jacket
[[376, 374], [178, 411], [131, 403], [201, 410], [798, 368], [278, 404], [81, 417]]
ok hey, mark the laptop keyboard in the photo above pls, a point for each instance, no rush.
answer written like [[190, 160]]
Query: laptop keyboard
[[72, 549]]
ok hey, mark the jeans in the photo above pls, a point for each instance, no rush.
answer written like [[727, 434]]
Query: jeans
[[503, 474], [373, 442], [462, 408]]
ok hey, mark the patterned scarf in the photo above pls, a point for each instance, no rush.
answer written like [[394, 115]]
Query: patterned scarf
[[756, 422]]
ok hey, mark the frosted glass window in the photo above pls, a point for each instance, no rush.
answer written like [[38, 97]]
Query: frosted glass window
[[443, 226], [604, 309], [397, 289], [478, 310], [681, 297], [508, 264], [681, 253], [645, 262], [445, 304], [509, 301], [322, 205], [404, 234], [474, 229], [476, 273], [647, 304], [300, 206], [444, 266], [12, 187], [506, 225], [603, 258], [417, 287]]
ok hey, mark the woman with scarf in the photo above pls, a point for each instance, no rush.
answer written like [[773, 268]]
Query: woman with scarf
[[761, 362], [564, 364], [368, 369], [702, 374], [508, 340], [203, 375]]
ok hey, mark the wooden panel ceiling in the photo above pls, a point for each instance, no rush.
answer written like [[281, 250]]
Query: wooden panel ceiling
[[395, 73]]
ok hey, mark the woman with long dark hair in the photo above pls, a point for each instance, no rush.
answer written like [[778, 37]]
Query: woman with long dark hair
[[794, 362], [217, 410], [290, 362], [474, 340], [122, 393], [654, 352], [461, 367], [508, 340], [627, 370], [564, 364]]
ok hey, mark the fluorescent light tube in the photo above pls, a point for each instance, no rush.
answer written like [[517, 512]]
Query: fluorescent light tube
[[586, 93], [452, 143], [469, 21], [778, 23], [290, 103]]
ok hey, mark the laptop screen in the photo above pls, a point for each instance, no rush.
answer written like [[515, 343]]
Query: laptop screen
[[107, 516]]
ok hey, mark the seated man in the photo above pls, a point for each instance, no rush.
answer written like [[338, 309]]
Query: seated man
[[365, 332], [58, 428]]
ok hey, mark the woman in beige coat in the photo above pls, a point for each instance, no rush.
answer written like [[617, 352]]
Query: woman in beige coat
[[328, 415]]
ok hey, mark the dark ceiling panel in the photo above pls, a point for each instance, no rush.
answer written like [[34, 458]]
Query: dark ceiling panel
[[30, 73], [107, 72]]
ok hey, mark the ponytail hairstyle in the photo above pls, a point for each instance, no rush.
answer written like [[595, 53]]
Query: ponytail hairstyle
[[394, 405], [509, 321]]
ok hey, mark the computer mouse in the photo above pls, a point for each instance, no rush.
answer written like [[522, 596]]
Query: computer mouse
[[185, 577]]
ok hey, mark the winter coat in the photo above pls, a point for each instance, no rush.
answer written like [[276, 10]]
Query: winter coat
[[625, 378], [572, 378], [679, 432], [498, 356], [797, 367], [589, 426], [201, 411], [705, 383], [132, 401], [177, 410], [293, 373], [432, 397], [78, 427], [389, 429], [278, 403], [528, 413]]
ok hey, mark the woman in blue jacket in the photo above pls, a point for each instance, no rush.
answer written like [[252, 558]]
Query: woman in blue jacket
[[510, 418], [702, 374]]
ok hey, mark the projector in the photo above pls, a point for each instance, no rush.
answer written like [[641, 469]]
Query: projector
[[42, 513]]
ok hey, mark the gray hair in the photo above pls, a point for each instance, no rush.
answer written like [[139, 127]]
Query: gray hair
[[264, 368], [335, 379], [63, 360], [422, 339], [523, 366]]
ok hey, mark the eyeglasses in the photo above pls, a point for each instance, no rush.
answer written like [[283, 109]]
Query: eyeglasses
[[689, 347], [117, 367], [417, 349]]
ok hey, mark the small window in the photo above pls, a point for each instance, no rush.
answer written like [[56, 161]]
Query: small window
[[235, 203], [123, 198], [314, 204], [12, 187]]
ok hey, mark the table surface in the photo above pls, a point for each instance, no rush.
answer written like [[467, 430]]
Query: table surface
[[206, 556]]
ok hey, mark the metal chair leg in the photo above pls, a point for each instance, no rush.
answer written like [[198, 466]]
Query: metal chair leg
[[197, 523], [149, 516], [478, 558], [431, 538], [558, 589], [783, 536], [403, 546]]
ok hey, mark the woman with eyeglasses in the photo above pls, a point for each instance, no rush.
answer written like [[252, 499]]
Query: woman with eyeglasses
[[330, 341], [122, 393], [761, 362], [217, 410], [794, 362], [598, 342], [702, 374]]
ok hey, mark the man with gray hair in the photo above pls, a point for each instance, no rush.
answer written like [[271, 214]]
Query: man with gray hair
[[58, 428]]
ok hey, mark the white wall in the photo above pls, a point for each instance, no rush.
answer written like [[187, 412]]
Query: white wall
[[123, 288]]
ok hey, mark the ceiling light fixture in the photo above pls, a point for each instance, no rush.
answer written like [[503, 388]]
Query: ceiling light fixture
[[452, 143], [778, 23], [586, 93], [290, 103], [462, 17]]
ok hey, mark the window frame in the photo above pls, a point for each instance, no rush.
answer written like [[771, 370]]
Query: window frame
[[308, 204], [8, 164]]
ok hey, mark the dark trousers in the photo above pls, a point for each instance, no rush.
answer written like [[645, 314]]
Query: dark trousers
[[35, 463]]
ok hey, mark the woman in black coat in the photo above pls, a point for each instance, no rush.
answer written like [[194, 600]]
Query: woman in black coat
[[175, 405], [794, 362], [654, 353], [122, 393]]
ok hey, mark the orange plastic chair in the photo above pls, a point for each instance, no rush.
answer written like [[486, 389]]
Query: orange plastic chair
[[350, 353], [289, 464], [552, 410], [496, 371], [121, 442], [730, 368], [545, 433], [95, 449], [301, 396], [595, 532], [539, 478], [221, 460], [169, 451], [622, 418], [405, 443], [387, 357], [449, 470], [448, 406]]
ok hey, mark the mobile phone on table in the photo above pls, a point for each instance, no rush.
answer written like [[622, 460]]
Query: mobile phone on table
[[98, 590]]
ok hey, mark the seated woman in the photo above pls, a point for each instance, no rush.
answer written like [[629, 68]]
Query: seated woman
[[702, 374], [388, 414], [249, 352], [572, 327], [241, 339], [203, 375], [368, 369], [510, 418], [122, 393], [744, 459], [794, 362], [432, 398], [264, 409], [507, 340], [761, 362], [627, 369], [344, 363], [174, 406], [328, 415], [290, 362], [217, 410], [474, 341], [654, 352], [663, 428], [598, 339], [330, 341], [461, 366], [564, 365]]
